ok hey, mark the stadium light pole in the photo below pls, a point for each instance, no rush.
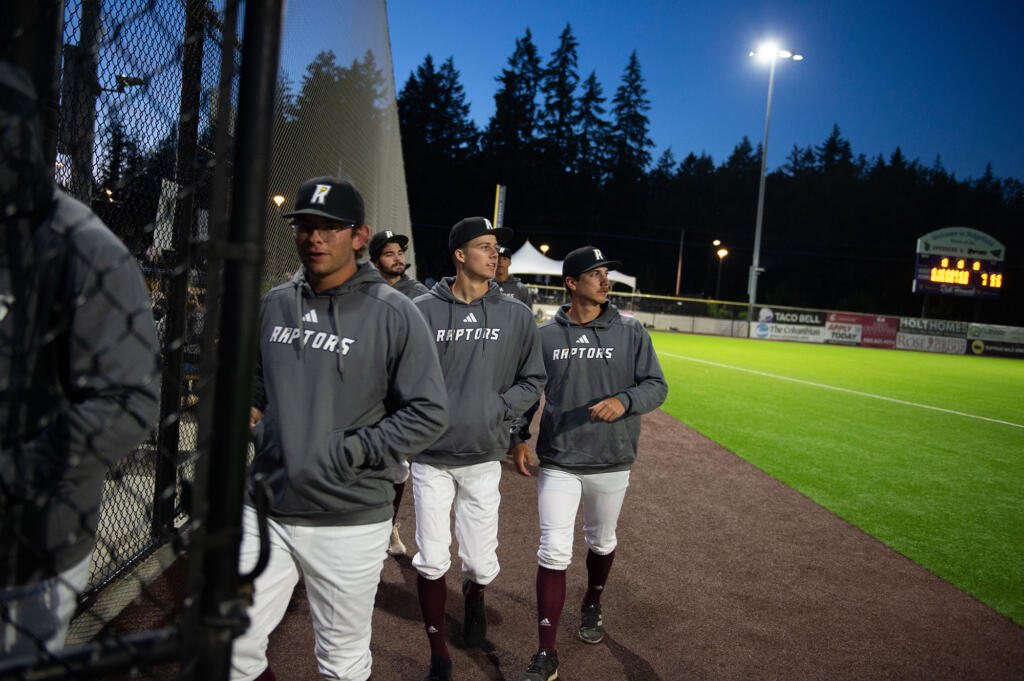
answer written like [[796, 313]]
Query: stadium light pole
[[772, 53], [721, 253]]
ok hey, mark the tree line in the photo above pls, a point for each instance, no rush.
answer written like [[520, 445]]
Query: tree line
[[839, 228]]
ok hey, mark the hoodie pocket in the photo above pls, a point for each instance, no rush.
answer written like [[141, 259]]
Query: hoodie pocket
[[347, 455]]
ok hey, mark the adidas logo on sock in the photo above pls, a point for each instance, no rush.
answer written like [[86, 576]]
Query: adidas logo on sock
[[310, 317], [583, 340], [544, 622], [470, 318], [431, 629]]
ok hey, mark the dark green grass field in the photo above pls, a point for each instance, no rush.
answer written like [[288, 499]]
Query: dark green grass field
[[923, 451]]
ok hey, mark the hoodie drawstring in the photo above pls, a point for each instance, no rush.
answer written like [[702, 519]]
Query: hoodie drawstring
[[336, 316], [298, 313]]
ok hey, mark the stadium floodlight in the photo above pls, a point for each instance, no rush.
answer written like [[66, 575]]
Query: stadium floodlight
[[544, 248], [767, 52]]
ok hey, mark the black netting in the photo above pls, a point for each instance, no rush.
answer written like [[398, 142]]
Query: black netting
[[110, 308], [101, 300]]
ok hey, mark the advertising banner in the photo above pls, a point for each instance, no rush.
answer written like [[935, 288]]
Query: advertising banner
[[873, 331], [993, 332], [996, 348], [933, 327], [924, 343], [837, 333], [770, 315], [790, 332]]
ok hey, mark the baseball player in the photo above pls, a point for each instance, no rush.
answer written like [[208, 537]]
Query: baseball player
[[347, 387], [514, 288], [387, 253], [79, 384], [602, 375], [509, 285], [493, 371]]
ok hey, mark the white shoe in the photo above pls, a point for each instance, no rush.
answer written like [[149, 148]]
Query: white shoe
[[395, 546]]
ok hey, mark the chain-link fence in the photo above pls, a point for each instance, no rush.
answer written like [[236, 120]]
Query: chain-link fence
[[105, 318], [121, 557]]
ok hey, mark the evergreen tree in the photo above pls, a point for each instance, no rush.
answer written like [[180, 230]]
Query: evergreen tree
[[834, 155], [800, 161], [434, 114], [591, 132], [514, 123], [743, 159], [558, 118], [629, 132]]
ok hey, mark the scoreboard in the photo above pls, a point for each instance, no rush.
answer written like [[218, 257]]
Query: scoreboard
[[959, 261], [958, 276]]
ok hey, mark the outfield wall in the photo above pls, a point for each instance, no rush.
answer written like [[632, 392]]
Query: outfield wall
[[835, 328], [880, 331]]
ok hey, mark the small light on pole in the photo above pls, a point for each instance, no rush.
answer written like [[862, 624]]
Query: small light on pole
[[544, 248], [278, 200], [721, 253]]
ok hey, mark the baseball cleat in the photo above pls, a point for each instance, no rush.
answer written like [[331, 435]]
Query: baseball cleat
[[395, 546], [543, 667], [474, 625], [440, 669], [591, 623]]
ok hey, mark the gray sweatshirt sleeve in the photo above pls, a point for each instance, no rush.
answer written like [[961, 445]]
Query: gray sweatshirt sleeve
[[111, 363], [650, 388], [419, 397], [530, 374], [259, 390]]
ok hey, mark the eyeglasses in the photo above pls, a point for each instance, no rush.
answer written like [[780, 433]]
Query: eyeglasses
[[329, 231]]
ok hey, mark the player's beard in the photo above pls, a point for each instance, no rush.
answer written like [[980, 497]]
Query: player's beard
[[396, 270]]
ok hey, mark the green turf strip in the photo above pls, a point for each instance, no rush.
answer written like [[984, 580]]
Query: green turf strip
[[944, 489]]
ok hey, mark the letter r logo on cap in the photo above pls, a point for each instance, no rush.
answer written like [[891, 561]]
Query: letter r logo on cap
[[320, 194], [597, 254]]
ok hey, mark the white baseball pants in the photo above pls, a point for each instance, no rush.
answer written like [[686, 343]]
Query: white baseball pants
[[474, 492], [41, 612], [558, 499], [341, 566]]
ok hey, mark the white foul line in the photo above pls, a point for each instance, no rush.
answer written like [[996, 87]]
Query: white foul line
[[845, 390]]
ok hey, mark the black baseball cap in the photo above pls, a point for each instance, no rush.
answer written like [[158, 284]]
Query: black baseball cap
[[470, 228], [329, 197], [381, 239], [584, 259], [504, 252]]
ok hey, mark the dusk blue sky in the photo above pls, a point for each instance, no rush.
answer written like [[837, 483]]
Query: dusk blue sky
[[937, 78]]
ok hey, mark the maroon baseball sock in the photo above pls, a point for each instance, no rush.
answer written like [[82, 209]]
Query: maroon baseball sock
[[550, 599], [432, 593], [399, 488], [598, 568], [475, 593]]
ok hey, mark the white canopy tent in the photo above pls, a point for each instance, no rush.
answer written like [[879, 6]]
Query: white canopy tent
[[528, 260]]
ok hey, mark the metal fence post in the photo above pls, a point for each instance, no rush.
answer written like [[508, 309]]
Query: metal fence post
[[177, 298], [221, 606]]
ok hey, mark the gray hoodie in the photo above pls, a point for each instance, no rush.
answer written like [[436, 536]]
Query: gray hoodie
[[78, 371], [610, 356], [513, 287], [409, 287], [490, 356], [344, 407]]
